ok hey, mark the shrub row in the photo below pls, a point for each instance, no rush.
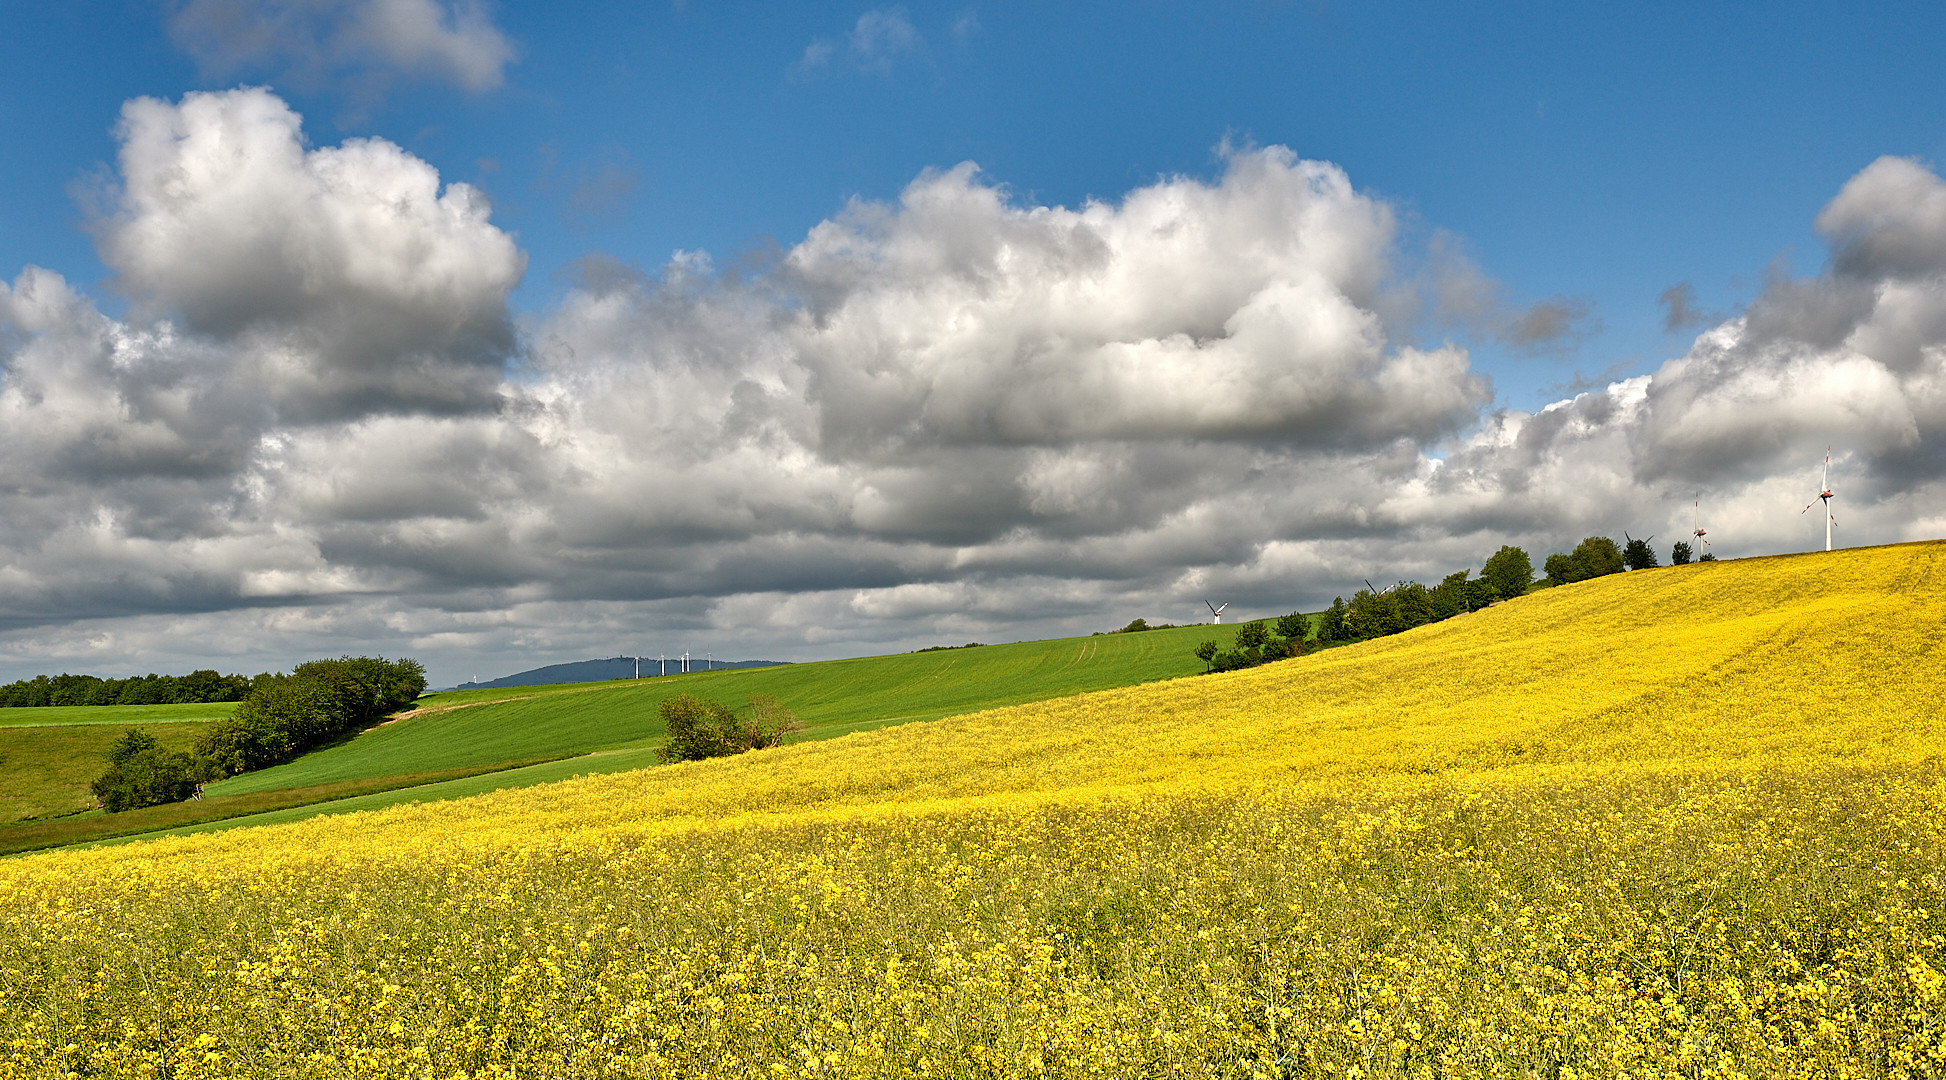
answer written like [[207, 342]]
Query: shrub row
[[284, 716]]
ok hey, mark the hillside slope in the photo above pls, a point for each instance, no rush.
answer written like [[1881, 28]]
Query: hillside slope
[[1707, 667], [1681, 822], [833, 697]]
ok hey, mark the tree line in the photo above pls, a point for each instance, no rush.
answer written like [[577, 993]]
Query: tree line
[[197, 687], [1259, 643], [1373, 612], [281, 717]]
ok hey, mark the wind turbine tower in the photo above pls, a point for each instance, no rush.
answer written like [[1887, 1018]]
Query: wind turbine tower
[[1824, 495], [1216, 613], [1697, 530]]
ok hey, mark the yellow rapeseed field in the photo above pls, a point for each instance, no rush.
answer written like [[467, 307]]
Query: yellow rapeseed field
[[1688, 822]]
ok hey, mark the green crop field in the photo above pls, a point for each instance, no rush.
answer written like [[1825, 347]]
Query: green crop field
[[481, 727], [44, 769], [47, 756], [461, 743], [116, 715], [613, 727]]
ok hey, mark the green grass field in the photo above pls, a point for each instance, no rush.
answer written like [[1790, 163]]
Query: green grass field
[[462, 743], [116, 715], [832, 698], [227, 811], [44, 769]]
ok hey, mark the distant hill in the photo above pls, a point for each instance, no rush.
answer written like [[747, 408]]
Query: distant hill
[[619, 667]]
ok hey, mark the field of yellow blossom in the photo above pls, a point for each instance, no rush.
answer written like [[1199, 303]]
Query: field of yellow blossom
[[1687, 822]]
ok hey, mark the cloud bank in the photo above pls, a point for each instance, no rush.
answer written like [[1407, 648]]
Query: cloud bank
[[956, 416]]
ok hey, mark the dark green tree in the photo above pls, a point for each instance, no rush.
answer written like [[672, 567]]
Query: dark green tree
[[1294, 627], [142, 773], [1597, 556], [1331, 624], [1679, 555], [1708, 556], [1412, 602], [1452, 596], [1637, 554], [1372, 614], [1206, 652], [1561, 569], [1508, 572]]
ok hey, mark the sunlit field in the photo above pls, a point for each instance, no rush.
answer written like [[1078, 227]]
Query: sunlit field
[[1683, 822]]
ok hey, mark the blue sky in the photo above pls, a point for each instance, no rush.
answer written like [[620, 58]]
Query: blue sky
[[1605, 152], [1580, 156]]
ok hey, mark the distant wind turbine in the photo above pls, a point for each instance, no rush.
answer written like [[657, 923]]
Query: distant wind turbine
[[1824, 493], [1697, 530], [1216, 613]]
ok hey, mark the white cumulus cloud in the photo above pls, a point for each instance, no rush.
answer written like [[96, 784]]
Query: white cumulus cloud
[[954, 416]]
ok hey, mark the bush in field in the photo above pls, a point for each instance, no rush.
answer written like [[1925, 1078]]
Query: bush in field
[[1294, 627], [699, 728], [141, 773], [1680, 554]]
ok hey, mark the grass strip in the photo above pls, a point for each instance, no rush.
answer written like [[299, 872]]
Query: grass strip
[[96, 825]]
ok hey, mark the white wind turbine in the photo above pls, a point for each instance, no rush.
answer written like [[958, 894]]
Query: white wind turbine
[[1696, 529], [1216, 613], [1824, 493]]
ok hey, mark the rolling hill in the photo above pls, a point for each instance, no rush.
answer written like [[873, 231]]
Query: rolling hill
[[834, 697], [461, 743], [1685, 821], [611, 669]]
